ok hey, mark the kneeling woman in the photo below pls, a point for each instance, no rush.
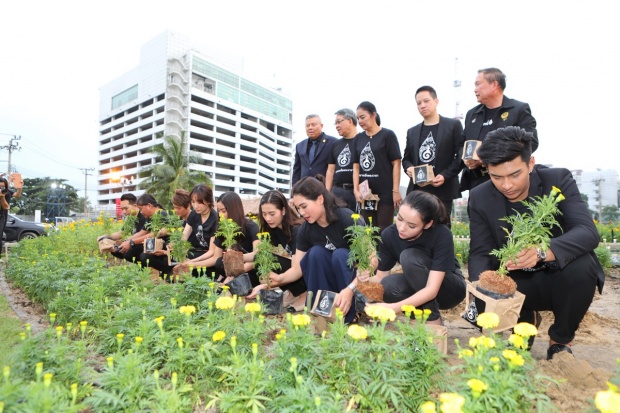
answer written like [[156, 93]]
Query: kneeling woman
[[421, 242], [277, 218], [322, 249]]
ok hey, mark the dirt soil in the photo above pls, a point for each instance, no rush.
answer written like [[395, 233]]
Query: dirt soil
[[579, 378]]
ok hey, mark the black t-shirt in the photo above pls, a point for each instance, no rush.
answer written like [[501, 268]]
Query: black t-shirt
[[140, 223], [202, 231], [487, 125], [375, 156], [428, 144], [245, 241], [331, 237], [5, 212], [341, 156], [148, 220], [279, 238], [437, 242]]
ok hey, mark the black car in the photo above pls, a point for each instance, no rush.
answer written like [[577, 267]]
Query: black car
[[17, 229]]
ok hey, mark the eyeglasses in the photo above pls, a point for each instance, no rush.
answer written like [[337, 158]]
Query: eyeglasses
[[339, 121]]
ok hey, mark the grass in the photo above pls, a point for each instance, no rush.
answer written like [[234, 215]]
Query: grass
[[10, 327]]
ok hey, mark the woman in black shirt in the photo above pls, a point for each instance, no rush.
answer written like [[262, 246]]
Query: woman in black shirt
[[423, 244]]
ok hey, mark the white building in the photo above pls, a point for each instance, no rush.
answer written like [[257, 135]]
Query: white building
[[242, 130], [601, 187]]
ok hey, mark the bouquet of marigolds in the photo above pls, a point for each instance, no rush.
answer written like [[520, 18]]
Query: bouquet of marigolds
[[362, 248], [531, 229], [265, 261]]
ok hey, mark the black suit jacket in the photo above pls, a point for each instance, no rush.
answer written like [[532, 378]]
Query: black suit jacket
[[511, 113], [303, 167], [577, 235], [447, 157]]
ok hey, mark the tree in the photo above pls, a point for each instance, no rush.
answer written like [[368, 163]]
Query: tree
[[610, 213], [37, 192], [171, 170]]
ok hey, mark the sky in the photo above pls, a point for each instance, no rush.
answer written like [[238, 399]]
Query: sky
[[563, 58]]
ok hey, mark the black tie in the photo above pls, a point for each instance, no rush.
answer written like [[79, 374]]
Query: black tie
[[312, 153]]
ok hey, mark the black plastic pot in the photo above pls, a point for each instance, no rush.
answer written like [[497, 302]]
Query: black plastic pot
[[241, 285], [272, 301], [492, 294]]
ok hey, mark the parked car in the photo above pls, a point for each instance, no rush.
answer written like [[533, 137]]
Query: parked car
[[17, 229]]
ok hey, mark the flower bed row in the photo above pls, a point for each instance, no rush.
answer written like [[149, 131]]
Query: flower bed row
[[117, 341]]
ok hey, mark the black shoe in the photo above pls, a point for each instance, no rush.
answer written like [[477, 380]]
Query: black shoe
[[556, 348]]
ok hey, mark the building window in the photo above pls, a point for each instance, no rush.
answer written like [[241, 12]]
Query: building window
[[124, 97]]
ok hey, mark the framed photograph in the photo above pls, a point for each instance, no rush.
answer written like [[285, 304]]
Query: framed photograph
[[324, 304], [423, 175], [470, 150]]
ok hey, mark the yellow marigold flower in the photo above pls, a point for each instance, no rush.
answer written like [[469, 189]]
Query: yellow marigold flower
[[513, 357], [428, 407], [407, 308], [494, 360], [110, 361], [525, 329], [224, 303], [481, 342], [382, 313], [47, 379], [465, 353], [560, 198], [488, 320], [187, 309], [478, 386], [252, 308], [218, 336], [300, 320], [355, 217], [180, 342], [451, 402], [608, 401], [139, 340], [357, 332], [517, 341], [555, 190]]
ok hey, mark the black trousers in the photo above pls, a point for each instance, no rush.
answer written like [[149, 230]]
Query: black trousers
[[3, 218], [415, 265], [568, 293], [132, 255], [382, 217]]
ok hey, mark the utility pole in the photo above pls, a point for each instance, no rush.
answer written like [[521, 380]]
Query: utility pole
[[11, 147], [85, 171]]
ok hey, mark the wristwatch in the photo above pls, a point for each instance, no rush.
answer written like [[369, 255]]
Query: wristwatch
[[352, 287], [542, 255], [132, 243]]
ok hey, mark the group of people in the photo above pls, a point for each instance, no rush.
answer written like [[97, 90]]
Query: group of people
[[334, 178]]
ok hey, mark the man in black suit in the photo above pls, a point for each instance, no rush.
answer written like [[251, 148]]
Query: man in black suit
[[311, 153], [561, 279], [437, 142], [494, 111]]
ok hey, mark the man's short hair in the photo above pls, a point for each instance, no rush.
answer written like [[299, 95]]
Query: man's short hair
[[130, 198], [347, 114], [428, 89], [492, 74], [505, 144], [313, 115]]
